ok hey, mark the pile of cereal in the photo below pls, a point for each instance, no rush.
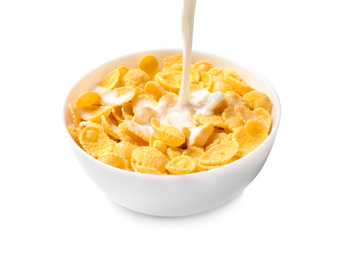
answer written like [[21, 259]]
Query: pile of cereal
[[130, 119]]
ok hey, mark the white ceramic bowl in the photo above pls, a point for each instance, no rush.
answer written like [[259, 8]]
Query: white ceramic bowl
[[175, 195]]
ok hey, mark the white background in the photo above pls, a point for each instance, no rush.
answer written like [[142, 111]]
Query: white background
[[297, 207]]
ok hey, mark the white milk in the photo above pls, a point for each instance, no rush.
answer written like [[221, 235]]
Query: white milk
[[187, 35]]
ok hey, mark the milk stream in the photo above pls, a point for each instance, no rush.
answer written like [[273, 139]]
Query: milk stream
[[187, 35]]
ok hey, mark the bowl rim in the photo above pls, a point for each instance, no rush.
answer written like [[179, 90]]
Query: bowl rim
[[273, 132]]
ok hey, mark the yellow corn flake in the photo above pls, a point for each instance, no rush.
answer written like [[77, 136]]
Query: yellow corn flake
[[155, 123], [233, 74], [115, 160], [125, 149], [95, 141], [231, 119], [216, 120], [135, 78], [207, 81], [245, 115], [238, 85], [233, 99], [181, 165], [194, 76], [221, 86], [150, 65], [123, 70], [174, 67], [170, 135], [219, 154], [151, 140], [170, 98], [217, 74], [127, 110], [142, 131], [143, 101], [173, 152], [170, 81], [117, 114], [214, 139], [109, 128], [111, 81], [148, 160], [262, 113], [193, 152], [75, 112], [208, 167], [250, 136], [203, 66], [87, 99], [200, 134], [74, 132], [169, 61], [144, 115], [118, 96], [84, 124], [126, 135], [154, 89], [196, 87], [256, 99], [160, 145], [94, 114]]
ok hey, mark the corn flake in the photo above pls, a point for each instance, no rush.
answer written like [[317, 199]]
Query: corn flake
[[95, 141], [111, 81], [201, 134], [144, 132], [150, 65], [148, 160], [125, 149], [94, 113], [170, 135], [173, 152], [216, 120], [256, 99], [181, 165], [87, 99], [115, 160], [160, 145], [219, 154], [250, 136], [142, 101], [74, 132], [135, 78], [154, 89], [169, 61], [214, 139], [193, 152], [231, 119], [203, 66], [170, 81], [75, 112], [118, 96], [126, 135], [109, 128], [238, 85]]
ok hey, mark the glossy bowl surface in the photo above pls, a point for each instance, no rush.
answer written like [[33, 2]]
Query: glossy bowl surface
[[175, 195]]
